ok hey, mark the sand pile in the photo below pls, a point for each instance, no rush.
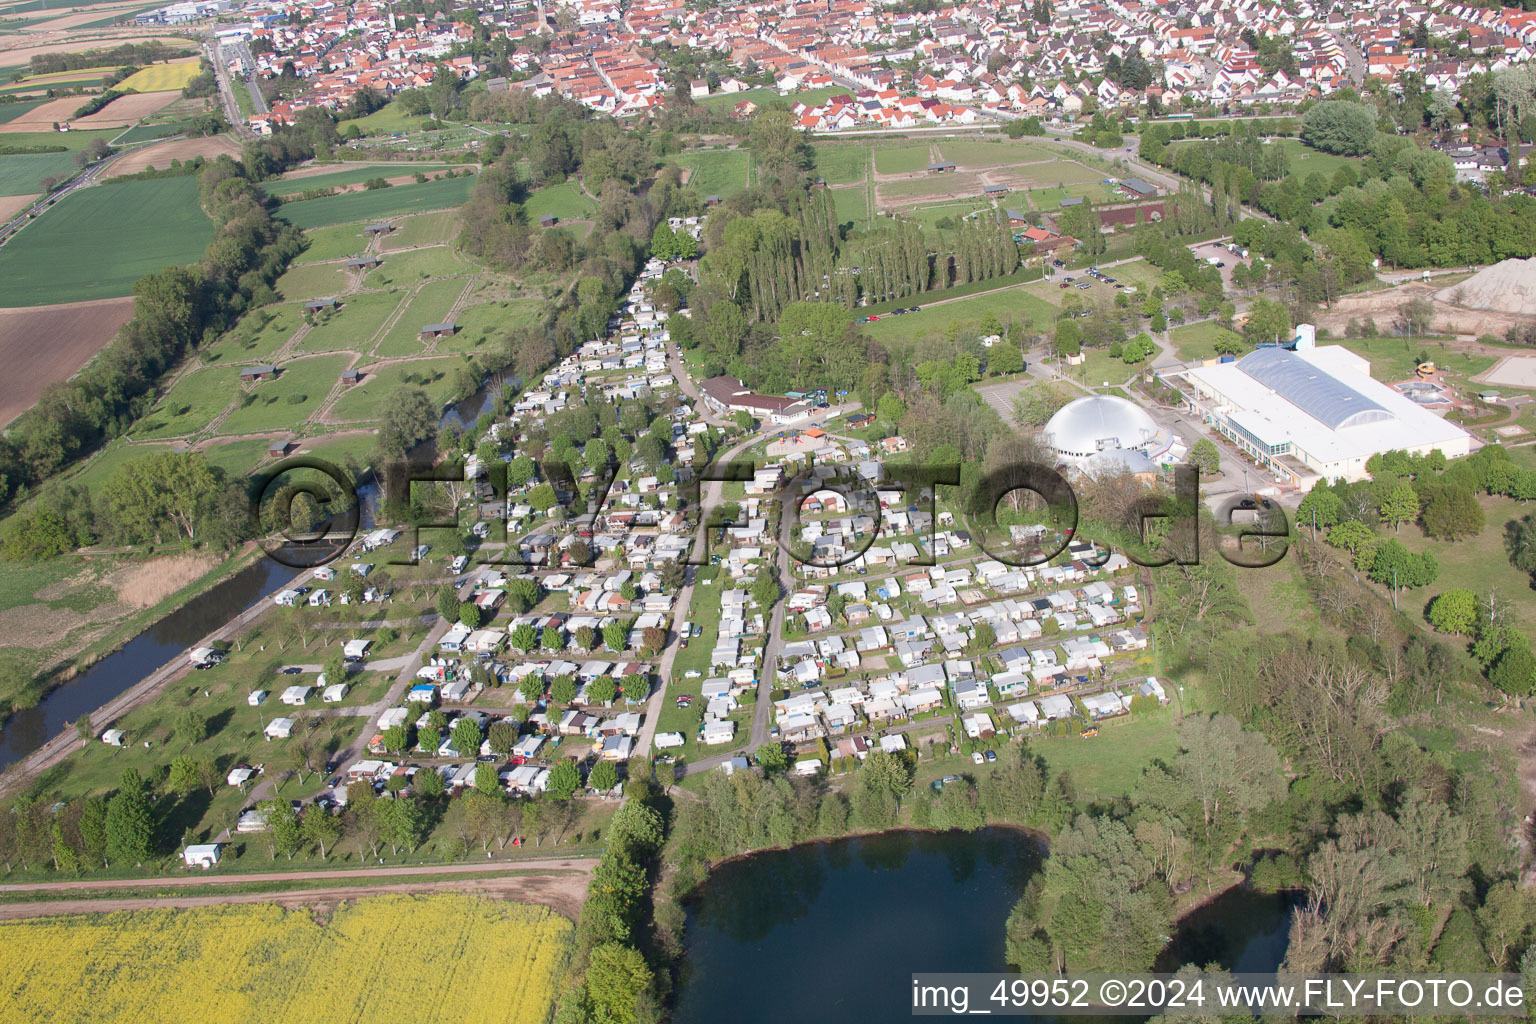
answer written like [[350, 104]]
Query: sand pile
[[1507, 287]]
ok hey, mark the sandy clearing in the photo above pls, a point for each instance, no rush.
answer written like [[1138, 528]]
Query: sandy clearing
[[126, 110], [1514, 371], [76, 331], [12, 205], [1385, 306], [70, 20], [160, 154]]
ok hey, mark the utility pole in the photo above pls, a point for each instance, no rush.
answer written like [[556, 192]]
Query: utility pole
[[1394, 589]]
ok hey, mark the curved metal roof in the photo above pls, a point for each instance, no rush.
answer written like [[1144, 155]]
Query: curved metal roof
[[1318, 394], [1091, 424]]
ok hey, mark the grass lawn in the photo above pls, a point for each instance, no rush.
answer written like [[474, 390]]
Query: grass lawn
[[422, 229], [842, 164], [379, 203], [902, 159], [23, 173], [388, 119], [349, 174], [1476, 564], [97, 242], [239, 458], [1395, 359], [353, 325], [71, 140], [409, 268], [366, 401], [1110, 763], [257, 335], [939, 186], [1013, 302], [1304, 159], [1197, 341], [333, 243], [336, 449], [851, 205], [1099, 367], [489, 321], [146, 132], [312, 282], [956, 209], [565, 201], [191, 404], [771, 97], [116, 455], [716, 172], [429, 305], [290, 399]]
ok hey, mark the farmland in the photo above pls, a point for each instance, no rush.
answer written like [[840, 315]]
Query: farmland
[[287, 401], [413, 267], [162, 154], [75, 333], [311, 281], [23, 173], [353, 326], [379, 203], [454, 957], [422, 229], [1014, 303], [162, 77], [842, 164], [291, 184], [333, 243], [365, 402], [429, 305], [96, 242]]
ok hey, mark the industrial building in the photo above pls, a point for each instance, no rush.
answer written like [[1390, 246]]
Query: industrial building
[[1303, 411]]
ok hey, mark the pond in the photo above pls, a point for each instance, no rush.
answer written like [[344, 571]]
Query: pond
[[833, 932]]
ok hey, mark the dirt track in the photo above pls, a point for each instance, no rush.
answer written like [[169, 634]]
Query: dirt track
[[560, 884]]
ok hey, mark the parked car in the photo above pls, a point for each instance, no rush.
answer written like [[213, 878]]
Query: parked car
[[914, 309], [991, 757], [976, 758], [291, 670]]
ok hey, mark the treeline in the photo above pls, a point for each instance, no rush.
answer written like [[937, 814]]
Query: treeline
[[141, 54], [100, 100], [175, 310], [1409, 859]]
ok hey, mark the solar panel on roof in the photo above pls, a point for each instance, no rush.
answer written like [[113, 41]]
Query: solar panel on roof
[[1309, 388]]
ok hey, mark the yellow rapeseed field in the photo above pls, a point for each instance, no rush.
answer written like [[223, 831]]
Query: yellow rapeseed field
[[400, 959], [162, 77]]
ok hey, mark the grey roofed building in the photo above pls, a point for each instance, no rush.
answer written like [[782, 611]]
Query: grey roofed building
[[1323, 397], [378, 229], [363, 261], [1141, 188], [258, 372], [995, 190], [1072, 201], [316, 304], [438, 330]]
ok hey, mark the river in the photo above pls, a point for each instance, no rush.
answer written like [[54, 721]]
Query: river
[[27, 730], [829, 933]]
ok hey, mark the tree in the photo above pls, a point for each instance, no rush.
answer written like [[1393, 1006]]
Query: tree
[[321, 827], [1205, 456], [502, 737], [470, 615], [404, 823], [466, 737], [615, 636], [396, 739], [130, 826], [617, 975], [765, 589], [602, 690], [284, 835], [1340, 126], [562, 690], [428, 784], [1452, 513], [771, 757], [1515, 671], [191, 727], [1353, 536], [1401, 505], [603, 777], [564, 779], [1454, 611], [448, 603], [410, 417], [586, 637], [525, 638]]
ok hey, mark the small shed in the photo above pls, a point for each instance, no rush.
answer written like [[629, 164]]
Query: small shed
[[1137, 187], [442, 330], [995, 190], [377, 229], [548, 220], [351, 376], [263, 371], [363, 262], [277, 449], [201, 855], [316, 305], [711, 200], [941, 166]]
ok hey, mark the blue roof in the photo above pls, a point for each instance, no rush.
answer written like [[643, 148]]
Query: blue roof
[[1309, 388]]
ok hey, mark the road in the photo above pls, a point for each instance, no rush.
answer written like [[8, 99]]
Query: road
[[91, 175]]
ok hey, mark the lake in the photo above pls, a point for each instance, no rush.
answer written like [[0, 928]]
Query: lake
[[829, 933]]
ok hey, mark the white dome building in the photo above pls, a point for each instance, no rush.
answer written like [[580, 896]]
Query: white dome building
[[1083, 428]]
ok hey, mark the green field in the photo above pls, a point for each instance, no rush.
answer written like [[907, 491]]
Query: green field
[[842, 164], [312, 282], [353, 326], [1197, 341], [70, 140], [379, 203], [1395, 359], [238, 458], [851, 205], [1014, 303], [99, 470], [902, 159], [334, 243], [1304, 159], [1476, 563], [258, 335], [289, 400], [409, 268], [350, 174], [771, 97], [146, 132], [716, 172], [938, 185], [967, 153], [422, 229], [366, 401], [11, 111], [98, 241], [430, 305], [482, 324], [23, 174], [389, 119], [565, 201], [192, 402]]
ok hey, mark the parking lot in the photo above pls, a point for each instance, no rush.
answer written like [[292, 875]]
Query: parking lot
[[1219, 250]]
